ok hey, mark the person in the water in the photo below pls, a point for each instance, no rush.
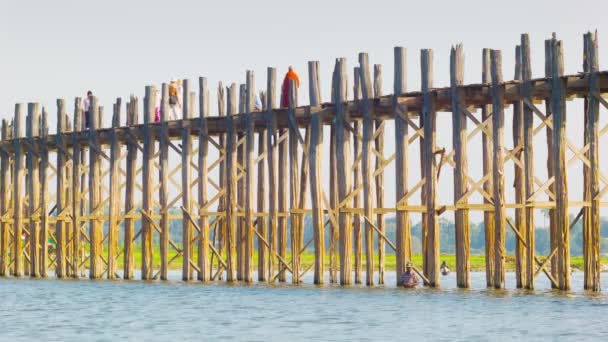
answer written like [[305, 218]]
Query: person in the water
[[445, 270], [409, 279]]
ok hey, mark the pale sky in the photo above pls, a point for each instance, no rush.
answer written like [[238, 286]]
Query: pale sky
[[61, 48]]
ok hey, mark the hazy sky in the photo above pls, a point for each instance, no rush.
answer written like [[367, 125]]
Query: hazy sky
[[61, 48]]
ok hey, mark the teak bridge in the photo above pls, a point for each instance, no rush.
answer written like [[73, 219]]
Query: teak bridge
[[112, 206]]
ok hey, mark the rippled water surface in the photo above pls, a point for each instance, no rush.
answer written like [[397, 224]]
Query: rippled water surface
[[84, 310]]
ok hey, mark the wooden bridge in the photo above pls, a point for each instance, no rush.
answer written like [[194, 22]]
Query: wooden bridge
[[103, 196]]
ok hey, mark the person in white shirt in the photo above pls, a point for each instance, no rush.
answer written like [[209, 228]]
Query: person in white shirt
[[87, 106]]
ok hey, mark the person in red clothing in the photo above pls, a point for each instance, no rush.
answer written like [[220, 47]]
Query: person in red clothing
[[289, 76]]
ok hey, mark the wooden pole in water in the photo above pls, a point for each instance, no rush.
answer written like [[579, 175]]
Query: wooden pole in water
[[528, 140], [129, 248], [147, 227], [220, 228], [343, 164], [429, 117], [314, 154], [550, 155], [4, 203], [240, 221], [488, 185], [498, 167], [95, 224], [403, 232], [271, 147], [294, 183], [366, 165], [282, 198], [461, 172], [262, 219], [591, 223], [33, 189], [18, 174], [62, 203], [204, 264], [357, 180], [114, 214], [186, 180], [519, 182], [249, 169], [231, 185], [333, 190], [77, 198], [44, 215], [558, 104], [163, 178], [379, 144]]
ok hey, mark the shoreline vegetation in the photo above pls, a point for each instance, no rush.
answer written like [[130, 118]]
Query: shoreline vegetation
[[477, 261]]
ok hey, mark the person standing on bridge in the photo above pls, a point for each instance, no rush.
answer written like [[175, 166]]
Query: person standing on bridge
[[87, 109], [289, 76], [409, 279], [174, 100]]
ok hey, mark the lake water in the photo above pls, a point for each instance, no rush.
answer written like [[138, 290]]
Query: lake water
[[85, 310]]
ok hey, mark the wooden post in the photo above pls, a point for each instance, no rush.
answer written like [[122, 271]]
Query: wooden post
[[366, 165], [240, 155], [519, 183], [357, 179], [18, 175], [77, 198], [498, 167], [249, 181], [550, 164], [459, 141], [186, 180], [379, 144], [62, 177], [33, 188], [562, 226], [129, 259], [333, 189], [261, 221], [44, 215], [147, 228], [314, 155], [403, 232], [429, 117], [528, 134], [163, 178], [271, 148], [488, 185], [294, 184], [204, 265], [95, 223], [114, 221], [220, 228], [4, 203], [591, 223], [343, 165], [231, 185]]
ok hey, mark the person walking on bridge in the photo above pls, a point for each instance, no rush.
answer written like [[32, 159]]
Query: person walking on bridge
[[289, 76]]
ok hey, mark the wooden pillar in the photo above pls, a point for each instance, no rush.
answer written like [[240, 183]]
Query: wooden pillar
[[550, 155], [591, 222], [459, 142], [271, 148], [249, 181], [262, 219], [95, 224], [220, 228], [498, 168], [61, 201], [114, 210], [147, 228], [528, 137], [186, 180], [18, 175], [282, 200], [333, 189], [379, 144], [77, 198], [33, 188], [163, 178], [129, 248], [231, 185], [403, 232], [357, 180], [562, 226], [519, 182], [294, 183], [240, 221], [366, 165], [343, 165], [315, 157], [488, 185], [204, 264], [4, 203], [44, 215], [429, 117]]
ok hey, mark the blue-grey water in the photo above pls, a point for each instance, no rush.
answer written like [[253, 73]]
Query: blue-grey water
[[85, 310]]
